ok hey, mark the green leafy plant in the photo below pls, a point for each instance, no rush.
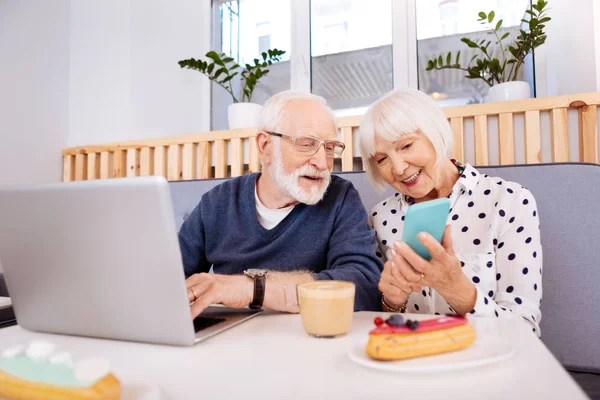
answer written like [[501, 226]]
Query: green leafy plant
[[506, 68], [221, 69]]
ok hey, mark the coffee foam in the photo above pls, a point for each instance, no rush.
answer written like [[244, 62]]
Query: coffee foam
[[326, 290]]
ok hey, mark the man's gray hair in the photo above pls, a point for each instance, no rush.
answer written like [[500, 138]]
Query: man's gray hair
[[398, 113], [271, 115]]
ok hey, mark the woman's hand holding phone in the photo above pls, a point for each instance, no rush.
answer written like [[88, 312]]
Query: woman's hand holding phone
[[399, 279], [443, 272], [425, 257], [394, 286]]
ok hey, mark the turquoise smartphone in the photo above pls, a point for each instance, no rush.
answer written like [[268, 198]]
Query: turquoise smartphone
[[429, 216]]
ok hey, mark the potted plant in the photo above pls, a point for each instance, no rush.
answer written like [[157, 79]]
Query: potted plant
[[500, 73], [221, 69]]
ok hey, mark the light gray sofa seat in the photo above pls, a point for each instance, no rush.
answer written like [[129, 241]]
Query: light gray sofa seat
[[566, 195]]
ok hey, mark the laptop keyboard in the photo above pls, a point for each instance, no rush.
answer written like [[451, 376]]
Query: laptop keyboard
[[201, 323]]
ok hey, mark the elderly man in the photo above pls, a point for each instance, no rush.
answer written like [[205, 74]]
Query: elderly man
[[264, 233]]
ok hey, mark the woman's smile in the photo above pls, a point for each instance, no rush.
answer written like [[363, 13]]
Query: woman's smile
[[412, 180]]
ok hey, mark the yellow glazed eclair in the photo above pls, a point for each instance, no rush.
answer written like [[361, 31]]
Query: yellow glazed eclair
[[395, 340]]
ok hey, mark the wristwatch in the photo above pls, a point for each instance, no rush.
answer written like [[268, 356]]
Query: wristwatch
[[260, 281]]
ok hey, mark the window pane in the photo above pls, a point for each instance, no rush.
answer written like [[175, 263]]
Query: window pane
[[440, 26], [351, 46], [243, 29]]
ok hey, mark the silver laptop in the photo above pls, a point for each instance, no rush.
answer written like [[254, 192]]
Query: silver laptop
[[101, 259]]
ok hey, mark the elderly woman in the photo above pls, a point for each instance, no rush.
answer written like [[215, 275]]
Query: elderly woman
[[490, 260]]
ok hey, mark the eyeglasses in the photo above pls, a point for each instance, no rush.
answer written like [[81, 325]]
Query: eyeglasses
[[309, 145]]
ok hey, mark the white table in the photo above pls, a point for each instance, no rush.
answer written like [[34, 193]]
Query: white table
[[270, 357]]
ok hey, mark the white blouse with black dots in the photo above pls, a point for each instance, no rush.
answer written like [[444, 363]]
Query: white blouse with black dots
[[496, 237]]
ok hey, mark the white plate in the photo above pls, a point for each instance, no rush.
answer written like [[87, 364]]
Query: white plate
[[482, 352]]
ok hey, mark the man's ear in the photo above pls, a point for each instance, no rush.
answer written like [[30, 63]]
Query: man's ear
[[262, 144]]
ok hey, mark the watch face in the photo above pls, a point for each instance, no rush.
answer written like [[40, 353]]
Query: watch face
[[255, 272]]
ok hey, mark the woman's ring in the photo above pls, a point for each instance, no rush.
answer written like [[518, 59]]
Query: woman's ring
[[194, 293]]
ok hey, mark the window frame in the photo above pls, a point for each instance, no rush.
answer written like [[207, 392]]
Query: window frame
[[404, 44]]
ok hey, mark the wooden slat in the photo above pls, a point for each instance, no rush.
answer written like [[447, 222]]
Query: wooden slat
[[221, 158], [81, 167], [237, 157], [506, 139], [559, 131], [93, 166], [147, 161], [133, 163], [481, 140], [533, 141], [190, 161], [160, 161], [68, 168], [458, 152], [174, 162], [119, 164], [348, 154], [205, 150], [520, 106], [106, 168], [352, 121], [588, 134], [165, 141], [254, 165]]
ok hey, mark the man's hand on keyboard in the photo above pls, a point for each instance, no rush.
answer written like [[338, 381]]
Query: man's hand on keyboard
[[203, 289]]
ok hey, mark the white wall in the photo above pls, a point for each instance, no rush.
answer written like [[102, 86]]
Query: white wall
[[99, 81], [125, 81], [568, 61], [596, 23], [34, 70], [85, 72]]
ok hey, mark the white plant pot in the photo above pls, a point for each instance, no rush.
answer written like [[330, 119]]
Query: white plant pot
[[517, 90], [243, 115]]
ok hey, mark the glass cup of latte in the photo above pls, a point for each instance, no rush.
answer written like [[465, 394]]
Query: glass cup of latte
[[326, 307]]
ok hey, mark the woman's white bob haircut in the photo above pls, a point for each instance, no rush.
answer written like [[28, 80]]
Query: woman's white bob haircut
[[401, 112], [271, 115]]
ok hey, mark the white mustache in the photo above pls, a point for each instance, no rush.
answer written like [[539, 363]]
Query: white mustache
[[311, 171]]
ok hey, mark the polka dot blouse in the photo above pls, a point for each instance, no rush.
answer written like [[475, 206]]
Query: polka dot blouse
[[496, 237]]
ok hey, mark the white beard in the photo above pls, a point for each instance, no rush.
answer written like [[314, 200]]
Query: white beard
[[290, 182]]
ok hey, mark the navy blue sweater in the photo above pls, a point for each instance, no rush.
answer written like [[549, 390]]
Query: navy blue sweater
[[332, 238]]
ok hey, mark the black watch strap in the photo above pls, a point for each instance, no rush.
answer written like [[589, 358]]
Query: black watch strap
[[260, 281]]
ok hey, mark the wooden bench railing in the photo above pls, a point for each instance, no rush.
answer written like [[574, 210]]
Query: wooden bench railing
[[232, 153], [587, 122]]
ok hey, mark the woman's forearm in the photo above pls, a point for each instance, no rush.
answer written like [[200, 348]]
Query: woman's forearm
[[461, 297]]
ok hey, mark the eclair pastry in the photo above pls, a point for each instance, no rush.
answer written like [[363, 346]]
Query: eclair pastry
[[395, 340]]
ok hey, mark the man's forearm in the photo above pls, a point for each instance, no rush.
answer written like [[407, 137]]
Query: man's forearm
[[280, 290]]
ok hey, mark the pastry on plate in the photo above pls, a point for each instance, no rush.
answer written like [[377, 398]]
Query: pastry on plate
[[38, 372], [394, 339]]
